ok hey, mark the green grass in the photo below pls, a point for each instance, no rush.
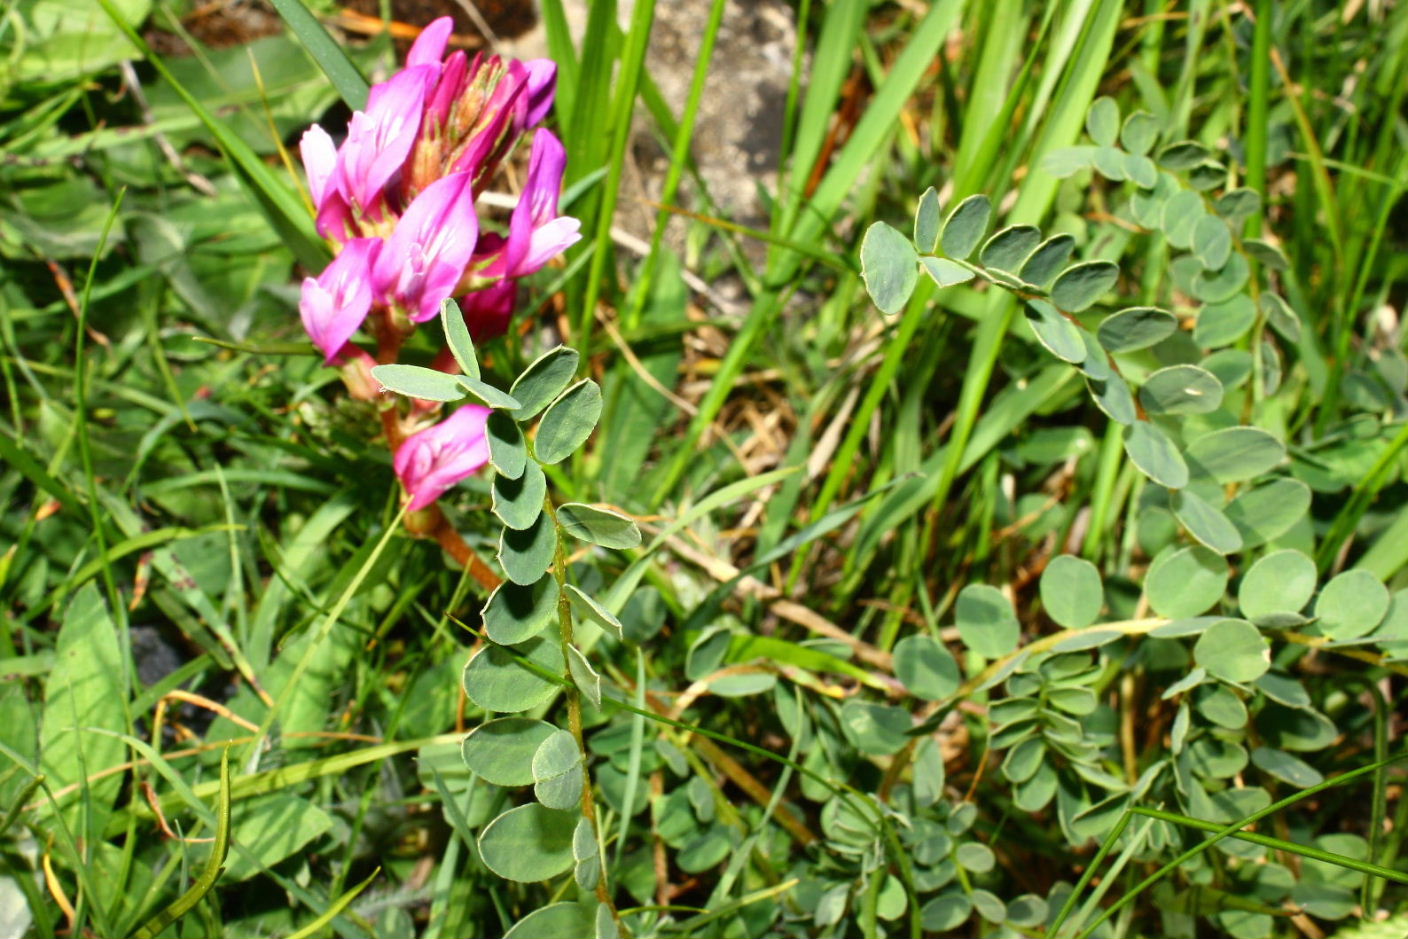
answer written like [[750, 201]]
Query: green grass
[[817, 483]]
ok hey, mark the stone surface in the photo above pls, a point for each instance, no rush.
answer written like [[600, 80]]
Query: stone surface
[[738, 135]]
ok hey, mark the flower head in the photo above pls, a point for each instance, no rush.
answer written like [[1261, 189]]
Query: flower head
[[536, 232], [380, 138], [334, 304], [425, 257], [430, 462]]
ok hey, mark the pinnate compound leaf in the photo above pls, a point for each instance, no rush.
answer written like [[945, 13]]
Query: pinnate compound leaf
[[554, 921], [1047, 260], [947, 911], [1007, 249], [1112, 396], [1215, 286], [1233, 650], [587, 606], [887, 264], [986, 621], [926, 668], [1024, 760], [1183, 155], [1141, 170], [1234, 454], [1068, 161], [543, 380], [488, 394], [965, 226], [1237, 205], [1269, 511], [946, 273], [495, 680], [598, 526], [1080, 285], [515, 612], [1266, 254], [508, 454], [1071, 591], [1351, 605], [1148, 207], [413, 381], [1186, 582], [1205, 522], [1059, 335], [1136, 328], [1212, 242], [1155, 455], [1221, 324], [528, 844], [928, 222], [568, 422], [584, 676], [501, 751], [1289, 769], [1181, 389], [557, 772], [1102, 121], [457, 337], [1111, 163], [518, 502], [1280, 316], [876, 729], [1139, 132], [1282, 582], [526, 554]]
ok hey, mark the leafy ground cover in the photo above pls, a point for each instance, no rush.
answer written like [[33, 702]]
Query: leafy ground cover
[[1022, 555]]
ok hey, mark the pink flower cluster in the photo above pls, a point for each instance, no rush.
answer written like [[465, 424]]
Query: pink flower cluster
[[397, 202]]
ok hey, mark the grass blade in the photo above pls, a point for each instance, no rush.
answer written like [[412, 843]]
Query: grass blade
[[285, 211], [331, 57], [213, 864]]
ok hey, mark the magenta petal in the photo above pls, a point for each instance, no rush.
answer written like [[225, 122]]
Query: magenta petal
[[546, 165], [380, 139], [319, 161], [449, 87], [430, 462], [487, 312], [542, 86], [535, 233], [429, 46], [547, 242], [427, 253], [334, 304]]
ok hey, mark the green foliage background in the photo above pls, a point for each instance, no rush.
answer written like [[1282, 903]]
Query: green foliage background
[[946, 620]]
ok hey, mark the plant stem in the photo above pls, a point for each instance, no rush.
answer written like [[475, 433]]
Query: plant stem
[[574, 707]]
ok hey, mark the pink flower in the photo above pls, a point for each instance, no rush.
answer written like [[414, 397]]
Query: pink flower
[[430, 44], [335, 303], [487, 312], [380, 139], [319, 161], [541, 81], [535, 232], [425, 257], [430, 462]]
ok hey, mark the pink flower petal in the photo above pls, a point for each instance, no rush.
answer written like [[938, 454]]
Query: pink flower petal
[[380, 139], [334, 304], [430, 462], [427, 253], [319, 161], [429, 46], [542, 86]]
